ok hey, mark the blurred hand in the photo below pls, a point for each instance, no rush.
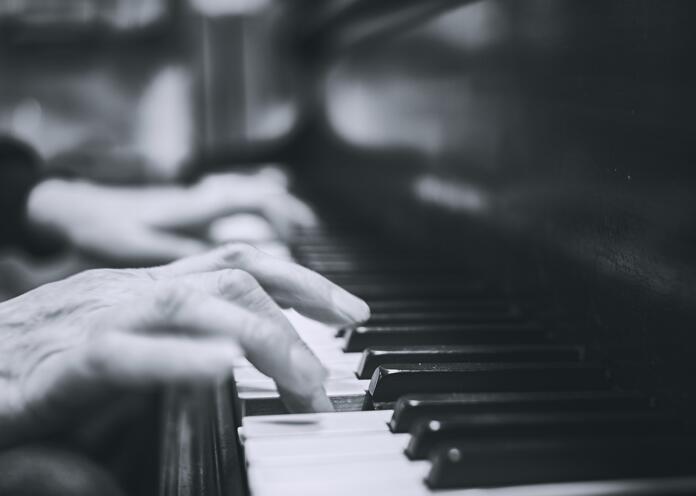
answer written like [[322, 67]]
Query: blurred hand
[[68, 345], [154, 224]]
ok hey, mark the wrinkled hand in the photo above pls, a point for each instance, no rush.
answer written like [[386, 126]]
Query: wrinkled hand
[[145, 225], [70, 344]]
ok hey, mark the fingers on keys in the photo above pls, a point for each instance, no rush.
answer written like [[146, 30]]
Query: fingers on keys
[[289, 284], [174, 316]]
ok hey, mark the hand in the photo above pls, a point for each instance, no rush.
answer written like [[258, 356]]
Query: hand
[[67, 346], [146, 225]]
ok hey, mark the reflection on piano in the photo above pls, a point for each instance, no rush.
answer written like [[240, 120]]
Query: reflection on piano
[[508, 184]]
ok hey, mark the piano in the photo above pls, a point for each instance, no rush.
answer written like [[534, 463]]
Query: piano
[[509, 185]]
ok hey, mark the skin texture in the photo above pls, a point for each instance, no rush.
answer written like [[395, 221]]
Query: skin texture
[[157, 224], [66, 346]]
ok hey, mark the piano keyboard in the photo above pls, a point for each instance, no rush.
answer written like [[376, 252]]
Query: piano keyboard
[[454, 387]]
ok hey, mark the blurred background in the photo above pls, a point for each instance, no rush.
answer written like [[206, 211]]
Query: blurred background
[[546, 120], [561, 128]]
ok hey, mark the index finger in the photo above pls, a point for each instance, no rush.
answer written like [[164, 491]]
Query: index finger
[[288, 283]]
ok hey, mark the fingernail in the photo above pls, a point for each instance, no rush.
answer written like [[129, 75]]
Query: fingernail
[[351, 307]]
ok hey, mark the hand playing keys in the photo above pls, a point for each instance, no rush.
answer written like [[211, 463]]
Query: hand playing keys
[[70, 344], [154, 224]]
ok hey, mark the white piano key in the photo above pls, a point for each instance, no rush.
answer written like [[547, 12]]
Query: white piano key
[[309, 327], [367, 475], [308, 449], [379, 475], [267, 389], [315, 424]]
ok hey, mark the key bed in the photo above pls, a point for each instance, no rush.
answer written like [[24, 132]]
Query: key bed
[[448, 387]]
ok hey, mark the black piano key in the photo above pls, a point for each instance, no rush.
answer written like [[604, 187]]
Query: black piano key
[[389, 382], [361, 337], [386, 263], [413, 407], [353, 266], [450, 277], [431, 289], [518, 462], [421, 318], [371, 273], [434, 311], [381, 355], [427, 435], [458, 317], [434, 305], [333, 250]]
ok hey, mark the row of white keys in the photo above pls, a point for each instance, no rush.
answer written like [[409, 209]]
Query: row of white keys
[[351, 453]]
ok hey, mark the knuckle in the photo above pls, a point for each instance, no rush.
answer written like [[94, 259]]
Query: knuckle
[[236, 284], [261, 336], [267, 333], [239, 254], [170, 298], [236, 279]]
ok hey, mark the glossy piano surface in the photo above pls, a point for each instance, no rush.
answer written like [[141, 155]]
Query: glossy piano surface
[[551, 141]]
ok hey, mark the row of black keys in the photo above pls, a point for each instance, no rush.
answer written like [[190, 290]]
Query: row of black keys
[[482, 388]]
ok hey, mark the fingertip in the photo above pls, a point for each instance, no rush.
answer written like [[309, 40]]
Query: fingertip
[[352, 308], [316, 401], [309, 220], [302, 386], [304, 215], [321, 402]]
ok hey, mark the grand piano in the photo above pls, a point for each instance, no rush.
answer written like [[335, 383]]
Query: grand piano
[[510, 186]]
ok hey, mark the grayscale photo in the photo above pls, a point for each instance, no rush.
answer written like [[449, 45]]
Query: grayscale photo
[[347, 247]]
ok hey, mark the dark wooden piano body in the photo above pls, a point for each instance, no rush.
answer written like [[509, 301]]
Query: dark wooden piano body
[[550, 141]]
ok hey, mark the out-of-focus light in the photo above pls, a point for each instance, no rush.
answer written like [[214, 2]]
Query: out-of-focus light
[[164, 126], [241, 227], [386, 112], [122, 14], [228, 7], [27, 118], [471, 26], [274, 121], [453, 195]]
